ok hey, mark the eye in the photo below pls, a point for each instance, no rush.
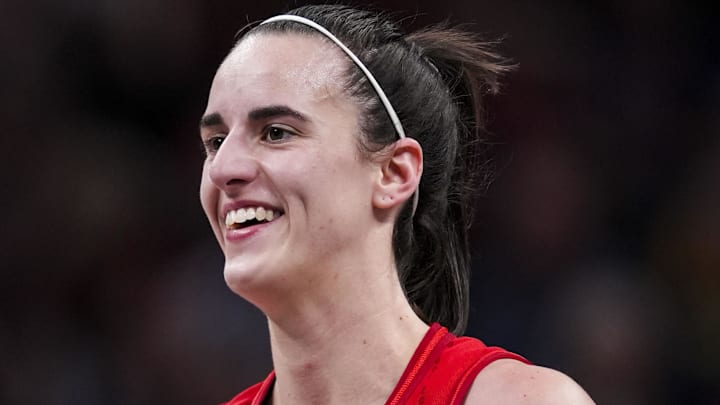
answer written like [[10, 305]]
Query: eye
[[277, 134], [213, 143]]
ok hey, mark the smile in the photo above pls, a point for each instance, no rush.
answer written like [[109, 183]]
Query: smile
[[249, 216]]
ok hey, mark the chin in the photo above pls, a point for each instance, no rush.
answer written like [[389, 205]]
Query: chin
[[239, 276], [245, 278]]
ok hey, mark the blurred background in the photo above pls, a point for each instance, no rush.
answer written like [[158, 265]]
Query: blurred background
[[597, 248]]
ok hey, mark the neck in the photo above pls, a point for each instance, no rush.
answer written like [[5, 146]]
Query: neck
[[345, 351]]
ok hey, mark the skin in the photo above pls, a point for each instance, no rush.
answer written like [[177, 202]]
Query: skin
[[280, 133]]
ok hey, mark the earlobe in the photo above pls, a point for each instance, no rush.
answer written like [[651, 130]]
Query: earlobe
[[399, 175]]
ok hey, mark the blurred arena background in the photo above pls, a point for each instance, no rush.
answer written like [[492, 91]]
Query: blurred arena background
[[597, 248]]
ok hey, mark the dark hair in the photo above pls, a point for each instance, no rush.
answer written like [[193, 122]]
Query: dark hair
[[435, 78]]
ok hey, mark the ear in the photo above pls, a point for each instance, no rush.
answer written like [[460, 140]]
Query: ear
[[399, 176]]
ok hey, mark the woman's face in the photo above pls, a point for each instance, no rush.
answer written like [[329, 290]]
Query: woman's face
[[281, 138]]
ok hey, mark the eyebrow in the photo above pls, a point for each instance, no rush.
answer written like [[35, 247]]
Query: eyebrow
[[211, 120], [274, 111], [256, 114]]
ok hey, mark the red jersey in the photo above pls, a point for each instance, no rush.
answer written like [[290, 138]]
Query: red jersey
[[440, 372]]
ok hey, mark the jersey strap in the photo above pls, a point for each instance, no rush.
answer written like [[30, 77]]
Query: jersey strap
[[443, 369]]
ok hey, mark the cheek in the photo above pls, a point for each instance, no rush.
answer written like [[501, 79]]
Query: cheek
[[339, 187], [208, 196]]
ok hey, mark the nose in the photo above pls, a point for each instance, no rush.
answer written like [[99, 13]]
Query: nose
[[233, 165]]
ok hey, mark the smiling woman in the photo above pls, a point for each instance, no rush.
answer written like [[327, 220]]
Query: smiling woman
[[341, 159]]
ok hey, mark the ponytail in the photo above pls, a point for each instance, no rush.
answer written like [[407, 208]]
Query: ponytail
[[470, 69]]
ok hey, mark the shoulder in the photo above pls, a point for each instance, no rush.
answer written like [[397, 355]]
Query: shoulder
[[513, 382]]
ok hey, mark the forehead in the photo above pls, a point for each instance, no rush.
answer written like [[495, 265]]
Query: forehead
[[285, 64]]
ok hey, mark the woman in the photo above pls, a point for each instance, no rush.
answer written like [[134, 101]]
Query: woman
[[340, 160]]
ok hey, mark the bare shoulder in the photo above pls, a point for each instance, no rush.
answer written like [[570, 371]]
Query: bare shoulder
[[513, 382]]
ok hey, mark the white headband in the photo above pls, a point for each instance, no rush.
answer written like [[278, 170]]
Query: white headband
[[381, 94]]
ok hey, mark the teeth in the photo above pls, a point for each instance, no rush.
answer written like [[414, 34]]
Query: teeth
[[245, 214]]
